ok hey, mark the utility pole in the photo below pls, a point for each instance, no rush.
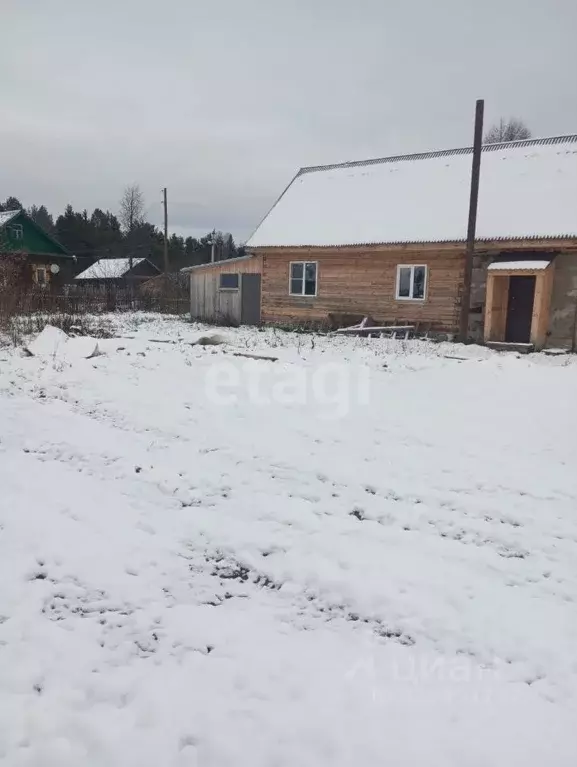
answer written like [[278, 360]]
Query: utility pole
[[165, 231], [472, 225]]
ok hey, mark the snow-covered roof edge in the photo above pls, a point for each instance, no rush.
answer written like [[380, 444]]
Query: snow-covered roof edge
[[273, 206], [563, 139], [222, 262], [8, 215], [408, 243]]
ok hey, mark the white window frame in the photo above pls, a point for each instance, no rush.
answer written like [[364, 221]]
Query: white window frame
[[17, 231], [237, 274], [304, 265], [412, 268]]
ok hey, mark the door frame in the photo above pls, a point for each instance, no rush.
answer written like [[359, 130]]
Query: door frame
[[497, 301]]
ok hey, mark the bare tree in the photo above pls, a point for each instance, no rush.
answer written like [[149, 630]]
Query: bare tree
[[15, 280], [131, 212], [512, 129]]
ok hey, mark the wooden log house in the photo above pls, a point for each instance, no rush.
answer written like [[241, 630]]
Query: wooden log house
[[386, 238]]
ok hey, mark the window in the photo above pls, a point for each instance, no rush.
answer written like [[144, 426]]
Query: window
[[40, 275], [303, 278], [411, 283], [229, 281], [16, 231]]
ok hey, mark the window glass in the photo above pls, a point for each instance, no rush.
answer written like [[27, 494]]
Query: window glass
[[297, 271], [310, 279], [419, 282], [229, 281], [404, 282], [297, 287]]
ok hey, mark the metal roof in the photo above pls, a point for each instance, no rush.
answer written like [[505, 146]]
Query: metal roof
[[528, 190], [551, 140]]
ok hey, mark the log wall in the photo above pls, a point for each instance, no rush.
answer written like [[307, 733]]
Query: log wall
[[362, 281], [563, 313]]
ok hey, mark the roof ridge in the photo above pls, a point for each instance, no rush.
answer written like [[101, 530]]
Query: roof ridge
[[542, 141]]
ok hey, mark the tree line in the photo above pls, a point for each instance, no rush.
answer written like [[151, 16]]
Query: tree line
[[104, 234]]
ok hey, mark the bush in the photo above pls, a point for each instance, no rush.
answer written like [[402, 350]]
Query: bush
[[73, 324]]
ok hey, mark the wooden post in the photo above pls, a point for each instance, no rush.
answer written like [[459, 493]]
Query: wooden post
[[165, 231], [129, 280], [574, 333], [474, 197], [488, 329]]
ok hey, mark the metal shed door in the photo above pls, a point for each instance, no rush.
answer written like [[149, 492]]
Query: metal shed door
[[250, 309]]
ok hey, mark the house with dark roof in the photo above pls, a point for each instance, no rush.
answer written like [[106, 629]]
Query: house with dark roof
[[385, 238], [45, 256]]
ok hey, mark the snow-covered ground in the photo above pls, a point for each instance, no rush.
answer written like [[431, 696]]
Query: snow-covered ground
[[364, 553]]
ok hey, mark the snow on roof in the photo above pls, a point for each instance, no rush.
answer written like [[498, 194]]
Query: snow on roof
[[528, 189], [108, 269], [518, 266], [8, 215], [222, 262]]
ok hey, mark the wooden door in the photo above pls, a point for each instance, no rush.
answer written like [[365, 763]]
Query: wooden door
[[520, 309]]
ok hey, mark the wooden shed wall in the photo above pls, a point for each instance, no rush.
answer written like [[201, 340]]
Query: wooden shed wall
[[363, 281], [209, 303]]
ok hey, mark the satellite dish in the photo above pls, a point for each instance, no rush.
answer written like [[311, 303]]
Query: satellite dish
[[54, 268]]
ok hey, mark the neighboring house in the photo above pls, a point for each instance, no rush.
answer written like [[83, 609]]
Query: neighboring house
[[45, 256], [386, 238], [116, 272], [226, 291], [172, 285]]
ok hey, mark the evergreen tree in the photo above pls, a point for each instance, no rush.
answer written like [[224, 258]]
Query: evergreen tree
[[102, 234], [12, 203], [42, 217]]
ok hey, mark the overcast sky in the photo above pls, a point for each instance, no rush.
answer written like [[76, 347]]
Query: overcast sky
[[223, 100]]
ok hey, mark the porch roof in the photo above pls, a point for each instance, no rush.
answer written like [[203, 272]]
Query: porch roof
[[519, 266]]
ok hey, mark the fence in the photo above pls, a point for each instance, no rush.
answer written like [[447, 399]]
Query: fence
[[90, 302]]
